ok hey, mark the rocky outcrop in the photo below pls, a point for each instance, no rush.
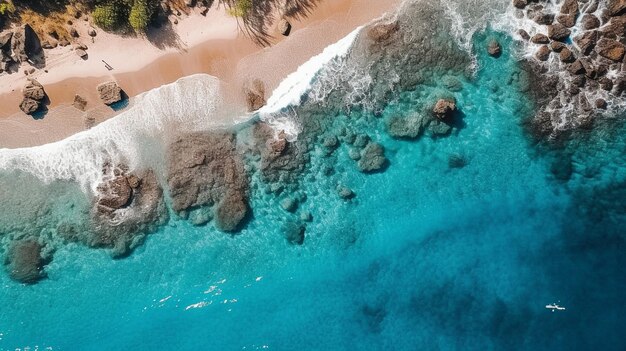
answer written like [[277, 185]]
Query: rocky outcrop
[[109, 92], [409, 127], [127, 206], [255, 95], [281, 160], [24, 261], [25, 44], [558, 32], [205, 169]]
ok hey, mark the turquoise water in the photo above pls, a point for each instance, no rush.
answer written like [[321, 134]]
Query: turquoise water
[[426, 256]]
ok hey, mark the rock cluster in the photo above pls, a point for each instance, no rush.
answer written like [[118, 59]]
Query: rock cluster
[[588, 66], [127, 205], [19, 45], [281, 160], [205, 170], [33, 97]]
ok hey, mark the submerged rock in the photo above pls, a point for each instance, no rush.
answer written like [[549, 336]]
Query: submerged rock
[[231, 211], [406, 127], [109, 92], [24, 261], [294, 232], [344, 192], [381, 32], [372, 158]]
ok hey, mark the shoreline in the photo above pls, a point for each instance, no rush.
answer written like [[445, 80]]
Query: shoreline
[[235, 60]]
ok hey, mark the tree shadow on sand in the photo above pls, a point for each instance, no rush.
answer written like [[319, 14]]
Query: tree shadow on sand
[[164, 37], [257, 21]]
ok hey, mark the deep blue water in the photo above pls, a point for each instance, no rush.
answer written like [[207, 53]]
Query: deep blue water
[[425, 257]]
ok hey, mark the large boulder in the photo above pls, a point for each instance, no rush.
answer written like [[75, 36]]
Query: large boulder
[[590, 21], [33, 90], [616, 7], [569, 7], [25, 44], [444, 108], [29, 106], [110, 92], [24, 261], [372, 158], [586, 42], [558, 32], [610, 49]]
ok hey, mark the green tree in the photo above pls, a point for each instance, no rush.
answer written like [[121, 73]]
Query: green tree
[[140, 14], [239, 8], [108, 16]]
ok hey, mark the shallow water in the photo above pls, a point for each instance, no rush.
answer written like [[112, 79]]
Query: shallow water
[[426, 256]]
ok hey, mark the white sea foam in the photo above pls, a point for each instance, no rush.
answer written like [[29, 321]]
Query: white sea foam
[[290, 92], [191, 103]]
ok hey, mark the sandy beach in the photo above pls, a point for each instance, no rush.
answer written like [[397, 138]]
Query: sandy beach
[[210, 44]]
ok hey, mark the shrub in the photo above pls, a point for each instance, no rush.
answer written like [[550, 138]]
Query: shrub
[[108, 16], [6, 7], [140, 15], [240, 8]]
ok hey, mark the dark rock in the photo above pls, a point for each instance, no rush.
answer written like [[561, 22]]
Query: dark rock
[[616, 7], [361, 140], [24, 261], [544, 18], [29, 106], [601, 104], [540, 39], [586, 42], [569, 7], [345, 192], [79, 102], [231, 211], [524, 34], [444, 108], [557, 46], [280, 159], [543, 53], [190, 3], [92, 32], [567, 20], [81, 53], [5, 40], [573, 90], [381, 32], [255, 95], [372, 158], [25, 44], [74, 33], [590, 22], [610, 49], [590, 70], [494, 48], [115, 193], [576, 68], [306, 216], [456, 161], [110, 92], [284, 27], [606, 83], [289, 204], [566, 55], [520, 4], [294, 233], [558, 32], [33, 90], [204, 10], [579, 81], [616, 27], [619, 86]]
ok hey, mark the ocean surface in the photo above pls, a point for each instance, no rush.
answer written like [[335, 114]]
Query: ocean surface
[[459, 243]]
